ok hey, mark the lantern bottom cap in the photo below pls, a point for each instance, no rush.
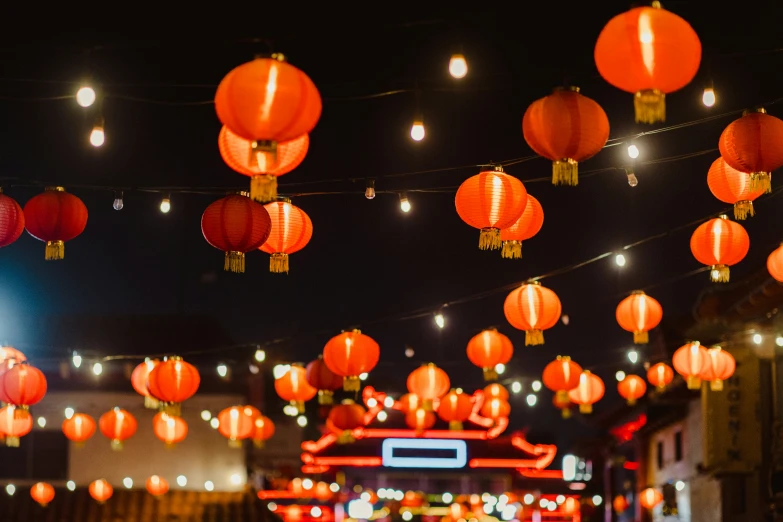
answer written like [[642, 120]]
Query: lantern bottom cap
[[534, 337], [720, 274], [641, 338], [761, 180]]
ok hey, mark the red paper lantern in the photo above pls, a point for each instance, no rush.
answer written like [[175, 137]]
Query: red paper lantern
[[79, 428], [561, 376], [11, 220], [55, 217], [527, 226], [172, 382], [495, 408], [42, 493], [589, 391], [420, 419], [495, 390], [752, 144], [620, 504], [235, 425], [774, 264], [660, 375], [455, 407], [409, 402], [292, 386], [720, 243], [650, 52], [291, 231], [117, 425], [650, 497], [429, 383], [157, 486], [22, 385], [169, 428], [323, 379], [719, 367], [139, 378], [14, 424], [733, 187], [347, 416], [689, 361], [639, 313], [532, 308], [488, 349], [491, 201], [263, 430], [632, 388], [236, 225], [101, 490], [351, 354], [565, 128]]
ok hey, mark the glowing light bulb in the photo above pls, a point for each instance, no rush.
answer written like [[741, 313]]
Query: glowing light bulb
[[409, 352], [708, 97], [407, 516], [209, 486], [206, 415], [633, 356], [127, 482], [440, 320], [71, 485], [417, 130], [516, 387], [41, 422], [363, 376], [632, 179], [85, 96], [10, 489], [165, 205], [77, 360], [536, 385], [633, 151], [182, 481], [531, 400], [316, 512], [301, 421], [597, 500], [118, 203], [334, 487], [458, 66], [371, 402], [260, 355], [214, 423], [405, 205], [97, 368], [369, 192], [222, 370], [620, 375], [236, 479], [280, 369], [97, 136], [382, 416], [757, 338], [69, 412], [619, 260], [779, 340], [447, 497], [500, 368], [528, 499], [679, 485]]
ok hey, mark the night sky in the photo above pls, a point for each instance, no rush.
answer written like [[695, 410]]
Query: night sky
[[368, 262]]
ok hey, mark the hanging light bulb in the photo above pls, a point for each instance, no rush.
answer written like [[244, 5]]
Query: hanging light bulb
[[632, 180], [97, 136], [222, 370], [405, 205], [620, 260], [165, 204], [118, 203], [633, 356], [440, 321], [369, 192], [458, 66], [417, 130], [633, 151], [260, 355], [77, 360], [97, 368], [708, 97], [85, 96]]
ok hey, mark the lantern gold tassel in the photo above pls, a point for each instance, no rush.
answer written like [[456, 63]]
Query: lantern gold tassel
[[631, 402], [346, 437], [585, 408], [743, 209], [12, 442], [719, 274], [534, 337], [234, 443], [325, 397], [278, 263], [299, 405], [352, 384], [258, 443], [566, 413], [716, 385], [116, 445], [489, 239], [455, 425], [650, 106], [151, 402], [427, 405], [263, 188], [173, 409], [55, 250], [641, 338], [490, 374], [511, 249], [694, 382], [761, 180], [234, 262], [565, 172]]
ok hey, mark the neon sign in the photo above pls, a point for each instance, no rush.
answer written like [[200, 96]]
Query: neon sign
[[443, 453]]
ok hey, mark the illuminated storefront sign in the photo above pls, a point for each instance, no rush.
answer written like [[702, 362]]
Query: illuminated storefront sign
[[424, 453]]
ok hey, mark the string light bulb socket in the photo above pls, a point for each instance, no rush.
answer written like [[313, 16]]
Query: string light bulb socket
[[118, 202], [632, 179], [98, 135], [165, 204], [405, 204], [369, 191]]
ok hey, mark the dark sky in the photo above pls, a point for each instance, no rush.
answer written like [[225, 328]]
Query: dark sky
[[367, 260]]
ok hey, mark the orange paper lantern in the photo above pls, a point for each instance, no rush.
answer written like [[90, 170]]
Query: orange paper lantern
[[495, 408], [719, 367], [117, 425], [409, 402], [101, 490], [620, 504], [169, 428], [429, 383], [532, 308], [157, 486], [775, 264], [14, 424], [139, 378], [291, 231], [632, 388], [491, 201], [650, 497], [488, 349], [173, 381], [566, 128], [293, 387], [79, 428], [496, 390], [323, 379], [720, 243], [420, 419], [263, 430], [561, 376], [22, 385], [455, 408], [42, 493], [639, 313], [347, 416], [752, 144], [589, 391], [733, 187], [527, 226], [235, 425], [351, 354], [660, 375], [689, 361], [649, 52]]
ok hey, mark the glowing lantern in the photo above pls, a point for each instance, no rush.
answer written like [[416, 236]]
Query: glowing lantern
[[639, 313], [589, 391], [245, 157], [322, 492], [169, 428], [532, 308], [323, 379], [172, 382], [55, 217], [495, 408], [733, 187], [263, 430], [291, 231], [457, 511], [491, 201], [139, 382], [455, 408], [495, 390], [566, 128], [42, 493], [632, 388], [420, 419], [157, 486], [236, 225], [351, 354], [251, 411], [561, 376], [101, 490], [429, 383], [720, 243], [719, 367], [527, 226], [620, 504], [660, 375], [11, 220], [409, 402], [293, 387], [22, 385], [563, 404], [117, 425], [571, 505], [235, 425], [488, 349], [649, 52], [775, 264], [79, 428], [14, 424], [346, 417], [689, 361], [752, 144], [650, 497]]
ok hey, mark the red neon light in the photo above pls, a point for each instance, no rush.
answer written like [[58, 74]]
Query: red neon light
[[314, 470], [413, 434], [542, 473], [632, 466], [625, 432], [359, 462], [502, 463]]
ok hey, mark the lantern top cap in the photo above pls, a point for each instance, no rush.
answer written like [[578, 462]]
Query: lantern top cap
[[638, 292], [54, 189], [563, 357], [572, 88], [760, 110], [723, 216], [283, 199], [243, 193], [497, 168], [173, 358], [656, 5], [533, 282], [347, 402], [716, 347], [279, 57]]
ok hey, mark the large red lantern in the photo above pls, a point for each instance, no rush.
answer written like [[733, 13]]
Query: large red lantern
[[733, 187], [323, 379], [689, 361], [632, 388], [172, 382], [720, 243], [347, 416], [589, 391], [79, 428], [719, 367], [234, 425], [495, 408], [532, 308], [752, 144], [649, 52], [292, 386], [660, 375], [169, 428], [101, 490], [11, 220], [775, 264], [639, 313], [42, 493], [14, 424], [650, 497], [429, 383], [565, 128], [22, 385], [291, 231], [455, 407], [561, 376], [117, 425], [236, 225], [263, 430], [527, 226], [351, 354], [420, 419], [489, 348], [157, 486], [139, 382], [491, 201], [55, 217]]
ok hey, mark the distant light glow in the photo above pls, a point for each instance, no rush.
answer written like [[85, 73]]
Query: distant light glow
[[209, 486], [334, 487], [560, 499], [458, 66], [382, 416], [447, 498], [757, 338], [516, 387], [301, 421], [528, 499], [633, 151], [280, 369], [71, 485], [417, 131], [440, 321], [236, 479], [316, 512], [620, 260], [214, 423], [388, 402], [708, 97], [500, 368], [206, 415], [597, 500], [272, 506], [127, 482], [569, 467], [85, 96], [536, 385], [182, 481], [69, 412], [407, 516], [260, 355], [679, 485], [97, 368], [97, 136], [405, 204], [77, 360], [363, 376], [620, 375], [409, 352], [531, 399], [41, 422], [165, 205], [360, 509], [779, 340], [10, 489], [222, 370], [633, 356]]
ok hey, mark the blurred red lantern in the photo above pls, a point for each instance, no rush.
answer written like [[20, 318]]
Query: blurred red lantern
[[11, 220], [589, 391], [565, 128], [491, 201], [263, 430], [775, 264], [323, 379], [495, 408], [660, 375], [409, 402], [101, 490], [347, 416], [412, 499], [14, 424], [157, 486], [22, 385], [649, 52], [561, 376], [117, 425], [42, 493], [55, 217], [236, 225], [251, 411], [563, 404], [351, 354], [139, 378], [322, 492], [632, 388], [733, 187], [455, 407], [495, 390], [291, 231], [720, 243], [639, 313], [752, 144], [420, 419], [79, 428], [527, 226], [235, 425], [689, 361], [488, 349], [719, 367], [169, 428], [457, 511], [173, 381], [532, 308], [650, 497], [620, 504], [293, 387], [429, 383]]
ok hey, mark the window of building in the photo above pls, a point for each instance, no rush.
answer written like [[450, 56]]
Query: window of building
[[659, 454], [678, 446]]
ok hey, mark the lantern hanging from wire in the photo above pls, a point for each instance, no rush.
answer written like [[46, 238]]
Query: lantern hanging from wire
[[171, 429], [11, 220], [15, 423], [561, 376], [291, 231], [495, 408], [639, 313], [752, 144], [495, 390], [55, 216], [346, 417], [632, 388], [79, 428], [42, 493], [733, 187], [689, 361], [720, 243], [563, 404], [487, 349], [293, 387], [234, 425], [660, 375], [101, 490], [263, 430], [351, 354], [528, 225], [420, 419], [589, 391], [429, 383], [117, 425], [156, 486], [22, 385], [720, 366], [775, 264], [532, 308], [455, 408], [323, 379], [172, 382], [650, 497], [139, 382]]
